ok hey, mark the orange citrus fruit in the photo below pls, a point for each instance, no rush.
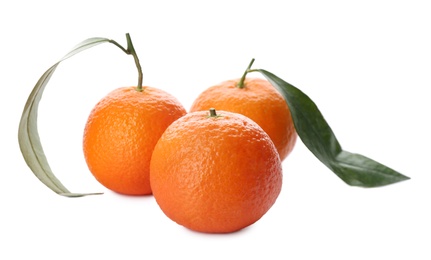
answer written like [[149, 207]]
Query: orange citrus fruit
[[120, 135], [258, 100], [215, 173]]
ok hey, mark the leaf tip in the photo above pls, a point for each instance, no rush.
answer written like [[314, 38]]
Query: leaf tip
[[77, 195]]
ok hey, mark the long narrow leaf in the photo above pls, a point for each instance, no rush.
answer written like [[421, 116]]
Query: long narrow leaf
[[28, 135], [316, 134]]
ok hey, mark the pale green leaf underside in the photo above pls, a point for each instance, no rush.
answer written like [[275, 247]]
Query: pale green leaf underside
[[28, 135]]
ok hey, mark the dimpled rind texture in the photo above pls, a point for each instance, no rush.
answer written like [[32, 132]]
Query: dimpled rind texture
[[259, 101], [121, 133], [215, 175]]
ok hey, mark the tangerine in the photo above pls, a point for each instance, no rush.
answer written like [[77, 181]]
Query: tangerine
[[216, 173], [257, 99], [120, 135]]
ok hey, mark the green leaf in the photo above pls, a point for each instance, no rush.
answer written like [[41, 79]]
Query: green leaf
[[316, 134], [28, 136], [358, 170]]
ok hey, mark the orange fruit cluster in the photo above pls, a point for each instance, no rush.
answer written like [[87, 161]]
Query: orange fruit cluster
[[210, 170]]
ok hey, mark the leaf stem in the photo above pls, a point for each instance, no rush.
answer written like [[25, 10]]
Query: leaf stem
[[241, 81]]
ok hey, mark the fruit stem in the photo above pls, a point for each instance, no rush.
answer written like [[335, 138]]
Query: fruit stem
[[241, 81], [213, 112], [131, 51]]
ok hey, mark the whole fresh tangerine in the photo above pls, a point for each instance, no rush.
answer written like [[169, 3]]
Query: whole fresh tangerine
[[120, 135], [257, 99], [215, 172]]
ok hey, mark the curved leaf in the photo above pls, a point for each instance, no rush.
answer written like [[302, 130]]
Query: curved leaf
[[316, 134], [28, 136]]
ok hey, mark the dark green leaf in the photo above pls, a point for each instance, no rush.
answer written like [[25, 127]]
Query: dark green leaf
[[316, 134], [358, 170], [28, 135]]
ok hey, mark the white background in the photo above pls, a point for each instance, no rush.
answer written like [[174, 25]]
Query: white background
[[366, 64]]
